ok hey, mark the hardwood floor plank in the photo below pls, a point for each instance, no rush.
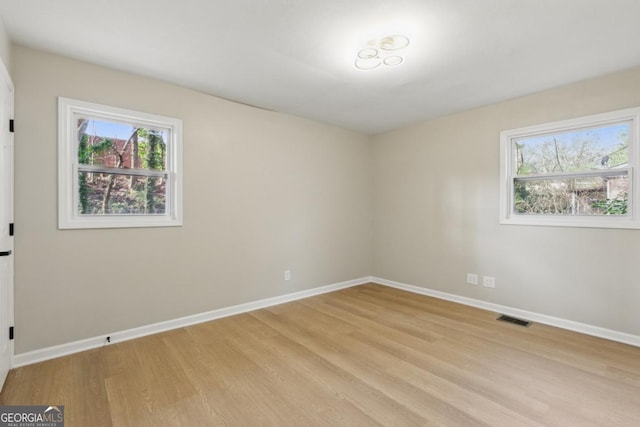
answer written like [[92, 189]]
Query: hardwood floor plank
[[325, 406], [428, 406], [368, 355], [437, 360], [234, 383], [485, 326], [341, 382]]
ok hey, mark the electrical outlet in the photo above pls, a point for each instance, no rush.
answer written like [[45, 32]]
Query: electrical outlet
[[472, 279], [488, 281], [287, 275]]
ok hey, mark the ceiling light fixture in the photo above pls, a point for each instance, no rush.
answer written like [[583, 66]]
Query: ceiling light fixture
[[392, 61], [382, 51]]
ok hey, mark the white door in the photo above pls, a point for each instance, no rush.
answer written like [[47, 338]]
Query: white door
[[6, 218]]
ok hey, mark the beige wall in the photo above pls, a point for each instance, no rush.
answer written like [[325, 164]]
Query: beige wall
[[436, 189], [5, 47], [264, 192]]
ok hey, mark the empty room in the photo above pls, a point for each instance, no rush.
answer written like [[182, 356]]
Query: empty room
[[319, 213]]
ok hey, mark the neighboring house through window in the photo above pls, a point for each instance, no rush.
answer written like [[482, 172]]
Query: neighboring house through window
[[117, 167]]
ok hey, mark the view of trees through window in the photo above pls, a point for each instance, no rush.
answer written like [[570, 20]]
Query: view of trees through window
[[121, 169], [575, 172]]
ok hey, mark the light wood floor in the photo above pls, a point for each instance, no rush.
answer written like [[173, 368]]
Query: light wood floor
[[363, 356]]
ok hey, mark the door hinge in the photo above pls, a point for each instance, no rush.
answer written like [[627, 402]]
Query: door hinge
[[10, 125], [11, 332], [11, 229]]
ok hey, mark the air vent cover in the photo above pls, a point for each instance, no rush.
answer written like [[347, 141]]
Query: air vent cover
[[514, 320]]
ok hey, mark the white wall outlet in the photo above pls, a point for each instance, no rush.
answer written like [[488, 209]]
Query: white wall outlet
[[488, 281], [472, 279], [287, 275]]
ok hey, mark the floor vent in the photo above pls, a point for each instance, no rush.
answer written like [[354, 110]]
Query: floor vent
[[514, 320]]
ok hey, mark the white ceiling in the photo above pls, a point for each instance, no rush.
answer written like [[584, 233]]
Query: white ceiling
[[296, 56]]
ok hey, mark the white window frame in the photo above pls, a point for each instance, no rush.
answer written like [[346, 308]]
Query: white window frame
[[508, 173], [68, 216]]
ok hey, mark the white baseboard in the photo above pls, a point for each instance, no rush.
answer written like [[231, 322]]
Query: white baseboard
[[527, 315], [47, 353], [41, 355]]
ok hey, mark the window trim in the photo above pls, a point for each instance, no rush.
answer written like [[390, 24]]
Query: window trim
[[68, 216], [507, 174]]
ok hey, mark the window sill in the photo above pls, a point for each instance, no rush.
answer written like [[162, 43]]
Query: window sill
[[584, 222], [129, 221]]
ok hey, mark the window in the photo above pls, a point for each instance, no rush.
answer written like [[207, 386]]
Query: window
[[117, 168], [578, 173]]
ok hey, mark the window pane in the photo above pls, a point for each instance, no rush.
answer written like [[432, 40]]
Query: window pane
[[604, 147], [572, 196], [117, 145], [115, 194]]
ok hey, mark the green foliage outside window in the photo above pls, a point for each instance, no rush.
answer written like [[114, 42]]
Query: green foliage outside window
[[102, 193]]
